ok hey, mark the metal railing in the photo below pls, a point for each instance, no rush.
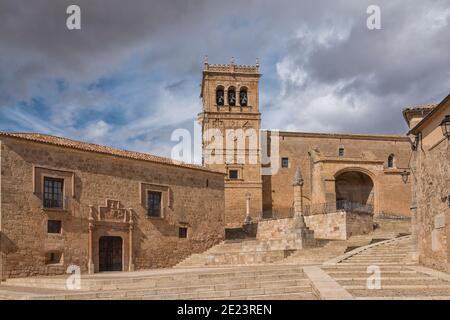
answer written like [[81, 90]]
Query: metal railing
[[62, 203], [341, 205], [319, 208]]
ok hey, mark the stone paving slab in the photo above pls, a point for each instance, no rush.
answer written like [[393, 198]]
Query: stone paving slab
[[325, 286]]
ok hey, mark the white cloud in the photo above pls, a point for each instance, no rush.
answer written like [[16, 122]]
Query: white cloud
[[97, 131]]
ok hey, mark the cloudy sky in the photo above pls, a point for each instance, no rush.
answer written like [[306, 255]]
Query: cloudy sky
[[131, 75]]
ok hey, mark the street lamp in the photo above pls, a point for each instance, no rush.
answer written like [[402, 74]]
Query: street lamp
[[405, 176], [445, 126]]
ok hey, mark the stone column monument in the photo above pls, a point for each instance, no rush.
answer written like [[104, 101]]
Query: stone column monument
[[298, 198]]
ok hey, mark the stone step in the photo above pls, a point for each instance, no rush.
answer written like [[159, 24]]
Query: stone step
[[366, 264], [350, 274], [208, 277], [388, 282], [401, 292], [417, 297], [384, 278], [283, 296], [377, 255], [200, 294], [368, 258], [442, 285], [363, 267], [164, 282]]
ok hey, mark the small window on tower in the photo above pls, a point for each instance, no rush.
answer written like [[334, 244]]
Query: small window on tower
[[231, 96], [220, 99], [341, 152], [233, 174], [285, 162]]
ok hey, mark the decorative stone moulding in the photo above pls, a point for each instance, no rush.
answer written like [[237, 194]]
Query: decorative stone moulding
[[111, 212]]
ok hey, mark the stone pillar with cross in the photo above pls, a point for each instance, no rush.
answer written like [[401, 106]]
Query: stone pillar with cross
[[298, 198]]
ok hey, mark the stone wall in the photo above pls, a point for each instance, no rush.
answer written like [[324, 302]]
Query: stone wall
[[191, 198], [283, 234], [431, 222], [363, 153], [339, 225]]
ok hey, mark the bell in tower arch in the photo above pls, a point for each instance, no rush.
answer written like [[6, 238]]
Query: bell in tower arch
[[231, 96], [243, 98]]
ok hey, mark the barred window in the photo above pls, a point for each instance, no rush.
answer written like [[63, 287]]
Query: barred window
[[154, 204], [182, 232], [54, 226], [233, 174], [53, 192]]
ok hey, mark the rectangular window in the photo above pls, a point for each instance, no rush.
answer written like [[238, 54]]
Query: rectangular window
[[233, 174], [285, 162], [341, 152], [53, 192], [53, 226], [53, 258], [182, 232], [154, 204]]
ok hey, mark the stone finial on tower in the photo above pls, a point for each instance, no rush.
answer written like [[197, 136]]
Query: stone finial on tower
[[232, 60], [257, 62], [298, 179], [205, 60]]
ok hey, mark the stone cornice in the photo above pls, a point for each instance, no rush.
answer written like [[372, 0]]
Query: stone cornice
[[379, 137]]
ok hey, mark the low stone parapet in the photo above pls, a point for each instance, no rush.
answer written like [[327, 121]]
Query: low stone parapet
[[340, 225]]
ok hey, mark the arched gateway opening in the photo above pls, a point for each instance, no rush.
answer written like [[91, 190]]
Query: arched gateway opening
[[354, 187]]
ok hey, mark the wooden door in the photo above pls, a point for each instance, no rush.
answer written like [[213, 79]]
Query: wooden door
[[110, 254]]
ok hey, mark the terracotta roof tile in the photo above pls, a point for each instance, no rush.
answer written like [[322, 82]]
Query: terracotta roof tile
[[421, 107], [91, 147]]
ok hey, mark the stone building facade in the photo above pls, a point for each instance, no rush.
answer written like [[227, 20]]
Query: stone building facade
[[366, 169], [65, 203], [430, 168]]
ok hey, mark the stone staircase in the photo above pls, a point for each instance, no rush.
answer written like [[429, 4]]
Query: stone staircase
[[242, 252], [256, 282], [400, 279]]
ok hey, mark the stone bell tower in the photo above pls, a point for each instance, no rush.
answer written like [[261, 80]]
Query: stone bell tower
[[230, 122]]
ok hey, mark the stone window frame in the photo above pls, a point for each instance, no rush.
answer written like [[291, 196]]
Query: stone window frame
[[158, 194], [391, 161], [49, 262], [238, 168], [288, 164], [180, 234], [166, 201], [68, 177], [341, 152], [60, 227], [47, 178]]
